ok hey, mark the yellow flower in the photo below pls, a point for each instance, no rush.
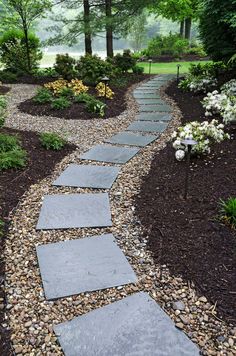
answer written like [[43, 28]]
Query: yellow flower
[[101, 90]]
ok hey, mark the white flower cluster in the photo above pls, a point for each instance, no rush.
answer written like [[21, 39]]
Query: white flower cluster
[[223, 103], [204, 133], [198, 84]]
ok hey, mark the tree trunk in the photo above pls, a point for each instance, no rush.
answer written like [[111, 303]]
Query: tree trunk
[[109, 29], [87, 28], [188, 24], [181, 30], [25, 29]]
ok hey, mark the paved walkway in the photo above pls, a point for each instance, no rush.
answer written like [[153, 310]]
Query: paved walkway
[[136, 325]]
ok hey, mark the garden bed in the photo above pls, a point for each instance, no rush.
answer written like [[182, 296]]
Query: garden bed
[[187, 236], [13, 184], [77, 111]]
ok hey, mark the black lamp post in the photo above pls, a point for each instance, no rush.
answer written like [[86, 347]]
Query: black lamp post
[[178, 70], [105, 80], [189, 143], [150, 65]]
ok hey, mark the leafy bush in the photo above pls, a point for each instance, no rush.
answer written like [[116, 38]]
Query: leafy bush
[[2, 120], [65, 66], [7, 77], [66, 93], [228, 211], [205, 134], [13, 52], [124, 61], [43, 96], [11, 153], [197, 84], [8, 143], [208, 69], [198, 51], [45, 72], [52, 141], [120, 82], [172, 45], [91, 69], [217, 28], [60, 103], [13, 159], [95, 106], [137, 70]]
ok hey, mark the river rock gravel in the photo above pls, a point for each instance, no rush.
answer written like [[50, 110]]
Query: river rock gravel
[[29, 316]]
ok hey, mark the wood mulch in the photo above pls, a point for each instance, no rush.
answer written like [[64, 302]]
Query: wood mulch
[[13, 184], [188, 236], [78, 111], [4, 90]]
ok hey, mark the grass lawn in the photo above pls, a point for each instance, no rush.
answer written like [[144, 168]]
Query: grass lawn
[[167, 68]]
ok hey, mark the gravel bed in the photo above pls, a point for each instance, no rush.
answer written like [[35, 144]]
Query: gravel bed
[[30, 316]]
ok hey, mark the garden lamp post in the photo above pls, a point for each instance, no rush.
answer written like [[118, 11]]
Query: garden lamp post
[[178, 70], [189, 143], [150, 65], [105, 80]]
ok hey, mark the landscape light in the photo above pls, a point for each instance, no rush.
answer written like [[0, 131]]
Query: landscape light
[[189, 143]]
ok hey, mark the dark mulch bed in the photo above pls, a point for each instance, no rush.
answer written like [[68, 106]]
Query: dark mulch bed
[[13, 184], [187, 236], [4, 90], [77, 111]]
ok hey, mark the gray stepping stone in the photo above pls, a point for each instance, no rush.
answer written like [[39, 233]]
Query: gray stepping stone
[[100, 177], [150, 108], [145, 90], [133, 326], [149, 116], [150, 101], [111, 154], [77, 266], [66, 211], [129, 138], [146, 95], [147, 126]]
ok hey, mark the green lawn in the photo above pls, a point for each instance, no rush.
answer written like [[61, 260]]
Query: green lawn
[[167, 68]]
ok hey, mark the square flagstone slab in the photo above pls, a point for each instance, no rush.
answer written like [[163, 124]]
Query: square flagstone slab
[[67, 211], [129, 138], [87, 176], [149, 116], [76, 266], [146, 95], [150, 101], [111, 154], [147, 126], [150, 108], [133, 326]]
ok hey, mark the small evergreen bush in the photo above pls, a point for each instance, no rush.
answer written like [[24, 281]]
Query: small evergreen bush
[[65, 66], [124, 61], [52, 141], [91, 69]]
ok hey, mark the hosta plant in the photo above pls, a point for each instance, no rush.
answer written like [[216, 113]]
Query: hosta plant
[[52, 141], [204, 133]]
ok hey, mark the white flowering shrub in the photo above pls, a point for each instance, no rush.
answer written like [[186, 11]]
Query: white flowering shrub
[[223, 103], [204, 133], [198, 84]]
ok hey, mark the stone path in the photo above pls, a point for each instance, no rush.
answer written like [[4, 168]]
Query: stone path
[[135, 325]]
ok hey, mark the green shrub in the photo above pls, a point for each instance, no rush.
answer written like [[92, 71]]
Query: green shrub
[[217, 28], [138, 70], [52, 141], [228, 211], [8, 143], [197, 50], [13, 52], [208, 69], [96, 106], [120, 82], [172, 45], [2, 120], [45, 72], [43, 96], [13, 159], [82, 98], [7, 77], [3, 102], [60, 103], [124, 61], [91, 69], [65, 66]]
